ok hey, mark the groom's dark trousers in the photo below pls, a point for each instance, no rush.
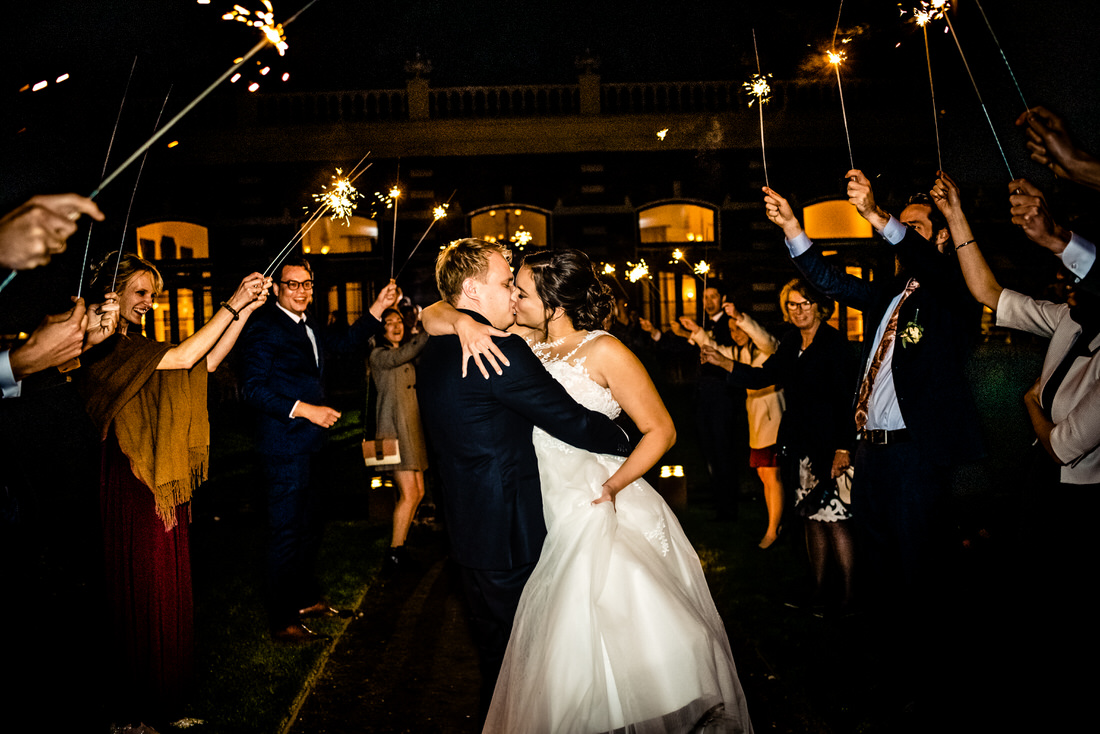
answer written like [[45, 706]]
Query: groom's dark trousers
[[480, 433]]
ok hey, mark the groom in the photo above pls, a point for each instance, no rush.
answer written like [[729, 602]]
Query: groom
[[480, 431]]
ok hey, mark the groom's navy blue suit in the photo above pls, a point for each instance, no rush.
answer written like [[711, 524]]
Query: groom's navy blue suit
[[480, 432]]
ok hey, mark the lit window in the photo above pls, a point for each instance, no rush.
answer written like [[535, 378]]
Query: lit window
[[514, 227], [676, 223]]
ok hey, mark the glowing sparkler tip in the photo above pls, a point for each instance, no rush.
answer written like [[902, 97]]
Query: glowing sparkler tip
[[440, 211], [677, 255], [608, 269], [265, 21], [662, 133], [395, 192], [702, 268], [835, 58], [758, 88], [340, 198], [637, 271]]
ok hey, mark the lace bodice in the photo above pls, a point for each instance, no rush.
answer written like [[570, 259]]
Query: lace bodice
[[570, 371]]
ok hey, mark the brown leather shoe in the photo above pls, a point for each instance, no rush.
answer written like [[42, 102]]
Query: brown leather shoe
[[297, 634], [322, 610]]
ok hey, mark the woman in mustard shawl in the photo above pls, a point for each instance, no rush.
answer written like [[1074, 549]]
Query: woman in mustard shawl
[[147, 400]]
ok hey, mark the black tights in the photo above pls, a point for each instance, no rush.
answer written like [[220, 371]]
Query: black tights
[[823, 538]]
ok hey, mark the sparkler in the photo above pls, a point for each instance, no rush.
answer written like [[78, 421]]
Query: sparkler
[[273, 34], [110, 144], [637, 271], [1003, 57], [835, 59], [133, 194], [438, 213], [341, 198], [312, 221], [662, 133], [942, 6], [921, 16], [395, 195], [759, 91]]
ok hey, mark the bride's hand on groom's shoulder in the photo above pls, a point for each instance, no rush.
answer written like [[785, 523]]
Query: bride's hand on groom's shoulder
[[477, 344]]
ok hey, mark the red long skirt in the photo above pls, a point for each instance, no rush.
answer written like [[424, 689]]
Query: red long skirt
[[148, 581]]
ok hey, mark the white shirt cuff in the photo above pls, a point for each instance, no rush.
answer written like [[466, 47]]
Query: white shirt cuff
[[894, 231], [1079, 255], [9, 386], [293, 408], [799, 244]]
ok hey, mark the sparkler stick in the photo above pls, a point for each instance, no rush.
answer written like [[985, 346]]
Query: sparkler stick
[[1005, 58], [395, 195], [922, 18], [133, 195], [759, 89], [835, 59], [973, 83], [110, 144], [273, 34], [438, 213]]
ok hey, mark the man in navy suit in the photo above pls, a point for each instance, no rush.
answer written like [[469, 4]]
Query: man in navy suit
[[918, 416], [480, 431], [282, 367]]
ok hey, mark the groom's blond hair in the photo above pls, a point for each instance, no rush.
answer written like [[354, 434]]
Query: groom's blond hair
[[462, 259]]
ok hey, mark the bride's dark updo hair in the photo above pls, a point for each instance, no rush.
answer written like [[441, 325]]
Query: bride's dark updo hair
[[567, 279]]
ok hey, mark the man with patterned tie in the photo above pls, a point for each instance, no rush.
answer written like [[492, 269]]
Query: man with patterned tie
[[282, 366], [914, 414]]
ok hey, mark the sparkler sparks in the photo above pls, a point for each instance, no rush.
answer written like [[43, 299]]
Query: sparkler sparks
[[677, 256], [702, 268], [662, 133], [340, 198], [758, 88], [836, 58], [265, 21], [440, 211], [608, 269], [637, 271]]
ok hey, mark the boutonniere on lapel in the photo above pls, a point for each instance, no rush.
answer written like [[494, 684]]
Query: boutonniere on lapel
[[913, 331]]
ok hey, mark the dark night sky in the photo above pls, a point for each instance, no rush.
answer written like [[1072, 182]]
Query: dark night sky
[[351, 44]]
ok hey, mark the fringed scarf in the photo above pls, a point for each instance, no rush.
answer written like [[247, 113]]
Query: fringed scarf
[[159, 416]]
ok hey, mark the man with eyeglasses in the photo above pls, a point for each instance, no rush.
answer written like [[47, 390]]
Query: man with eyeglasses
[[282, 378], [914, 414]]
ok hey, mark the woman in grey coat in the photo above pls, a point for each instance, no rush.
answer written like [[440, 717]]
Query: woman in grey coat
[[398, 416]]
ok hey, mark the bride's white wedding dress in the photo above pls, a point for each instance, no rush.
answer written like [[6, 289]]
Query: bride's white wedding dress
[[616, 630]]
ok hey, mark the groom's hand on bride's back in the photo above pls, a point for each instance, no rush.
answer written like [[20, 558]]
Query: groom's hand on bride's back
[[477, 344]]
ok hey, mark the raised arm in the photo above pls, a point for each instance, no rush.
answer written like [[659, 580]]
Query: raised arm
[[218, 335], [612, 363], [476, 338], [979, 278], [385, 358], [760, 336]]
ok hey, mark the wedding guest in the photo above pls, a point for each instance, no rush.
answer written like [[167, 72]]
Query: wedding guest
[[816, 369], [398, 416], [753, 345], [147, 400]]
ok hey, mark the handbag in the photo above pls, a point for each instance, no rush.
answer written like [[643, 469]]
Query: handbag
[[381, 452]]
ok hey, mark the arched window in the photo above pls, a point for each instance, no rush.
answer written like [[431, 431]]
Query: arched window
[[333, 236], [679, 222], [173, 241], [837, 220], [515, 225]]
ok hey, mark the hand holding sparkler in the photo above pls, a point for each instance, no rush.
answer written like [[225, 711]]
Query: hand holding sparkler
[[1052, 146], [779, 211], [388, 297], [1031, 214], [689, 324], [33, 233], [57, 340], [945, 194], [102, 320], [710, 355], [862, 197]]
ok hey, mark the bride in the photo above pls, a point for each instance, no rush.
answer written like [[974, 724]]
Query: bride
[[616, 630]]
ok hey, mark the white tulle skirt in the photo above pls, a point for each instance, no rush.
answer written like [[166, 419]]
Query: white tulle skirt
[[616, 630]]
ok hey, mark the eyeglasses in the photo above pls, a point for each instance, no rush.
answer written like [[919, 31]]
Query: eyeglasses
[[295, 285], [800, 306]]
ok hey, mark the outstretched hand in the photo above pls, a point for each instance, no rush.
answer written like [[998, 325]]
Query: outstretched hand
[[1031, 214], [1052, 146], [477, 344], [710, 355], [779, 211], [862, 197]]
